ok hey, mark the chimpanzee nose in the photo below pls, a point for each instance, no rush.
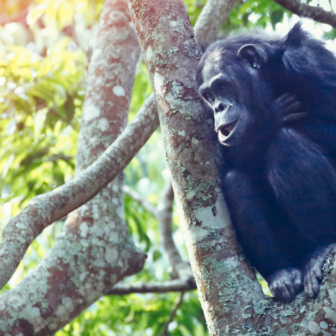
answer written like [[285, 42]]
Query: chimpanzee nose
[[220, 107]]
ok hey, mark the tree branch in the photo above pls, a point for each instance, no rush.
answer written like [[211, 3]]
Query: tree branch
[[172, 315], [149, 207], [163, 213], [57, 157], [52, 206], [214, 14], [311, 12], [181, 269], [177, 285], [76, 273]]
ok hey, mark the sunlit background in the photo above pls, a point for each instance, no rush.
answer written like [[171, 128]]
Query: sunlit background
[[45, 49]]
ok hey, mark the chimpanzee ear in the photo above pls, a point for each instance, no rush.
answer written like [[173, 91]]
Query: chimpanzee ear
[[250, 54], [296, 37]]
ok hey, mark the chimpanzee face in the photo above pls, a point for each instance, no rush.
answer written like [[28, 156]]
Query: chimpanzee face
[[221, 92], [233, 88]]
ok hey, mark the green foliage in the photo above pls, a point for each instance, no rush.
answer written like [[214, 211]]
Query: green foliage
[[139, 315], [141, 88], [194, 9], [252, 13], [40, 107]]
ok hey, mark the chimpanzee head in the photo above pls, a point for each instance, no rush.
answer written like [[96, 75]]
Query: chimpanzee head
[[240, 76], [230, 82]]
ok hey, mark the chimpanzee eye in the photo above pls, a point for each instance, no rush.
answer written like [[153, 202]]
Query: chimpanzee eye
[[208, 96], [222, 87]]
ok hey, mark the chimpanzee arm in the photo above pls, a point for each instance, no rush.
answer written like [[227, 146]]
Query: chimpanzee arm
[[260, 228], [322, 132]]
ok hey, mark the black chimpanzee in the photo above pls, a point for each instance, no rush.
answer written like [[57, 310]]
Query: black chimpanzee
[[274, 104]]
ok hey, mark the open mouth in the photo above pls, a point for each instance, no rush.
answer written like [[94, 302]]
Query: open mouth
[[225, 130]]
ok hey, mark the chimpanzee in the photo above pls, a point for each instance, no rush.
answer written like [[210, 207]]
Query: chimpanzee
[[274, 105]]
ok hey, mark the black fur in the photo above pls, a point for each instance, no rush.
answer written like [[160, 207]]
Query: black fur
[[280, 185]]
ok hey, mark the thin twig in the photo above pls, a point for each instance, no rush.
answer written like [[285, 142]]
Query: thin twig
[[181, 269], [141, 200], [57, 157], [163, 213], [172, 315], [153, 287], [311, 12]]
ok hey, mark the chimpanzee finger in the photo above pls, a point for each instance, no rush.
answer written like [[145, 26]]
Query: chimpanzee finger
[[317, 271], [304, 280], [275, 290], [290, 286], [295, 117], [287, 99], [297, 280], [310, 291], [284, 290], [281, 102], [294, 107], [312, 287], [315, 286], [284, 97], [307, 289]]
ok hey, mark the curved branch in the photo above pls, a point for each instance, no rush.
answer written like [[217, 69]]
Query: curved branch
[[45, 209], [311, 12], [153, 287]]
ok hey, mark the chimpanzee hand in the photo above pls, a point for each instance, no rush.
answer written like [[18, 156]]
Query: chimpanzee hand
[[288, 109], [285, 284]]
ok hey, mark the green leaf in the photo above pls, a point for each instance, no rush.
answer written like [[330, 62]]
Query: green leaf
[[276, 17]]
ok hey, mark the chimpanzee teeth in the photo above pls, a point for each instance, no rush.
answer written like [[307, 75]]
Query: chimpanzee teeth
[[221, 134]]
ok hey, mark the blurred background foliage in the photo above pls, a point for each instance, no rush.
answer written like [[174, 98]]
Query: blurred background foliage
[[45, 50]]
